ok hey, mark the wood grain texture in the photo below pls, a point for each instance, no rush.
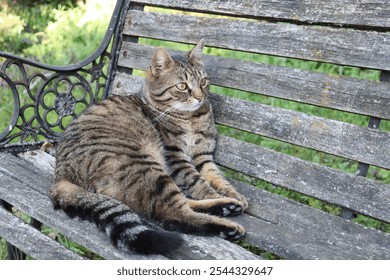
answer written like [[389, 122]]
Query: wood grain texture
[[293, 230], [350, 191], [31, 241], [291, 244], [17, 190], [330, 91], [367, 49], [334, 137], [330, 136], [370, 14]]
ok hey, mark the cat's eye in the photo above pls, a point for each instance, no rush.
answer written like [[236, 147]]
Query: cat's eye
[[181, 86], [204, 82]]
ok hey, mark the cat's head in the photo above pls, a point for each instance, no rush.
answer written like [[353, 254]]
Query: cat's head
[[177, 82]]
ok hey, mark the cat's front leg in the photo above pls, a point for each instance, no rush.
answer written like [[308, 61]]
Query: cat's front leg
[[210, 172], [189, 180]]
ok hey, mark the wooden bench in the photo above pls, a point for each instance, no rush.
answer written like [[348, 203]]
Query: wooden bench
[[335, 32]]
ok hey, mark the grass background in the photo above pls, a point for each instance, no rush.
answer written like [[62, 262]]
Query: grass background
[[65, 32]]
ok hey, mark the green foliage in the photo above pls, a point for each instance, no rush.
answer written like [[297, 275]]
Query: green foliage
[[70, 38], [258, 251], [68, 243], [11, 27], [3, 249], [369, 222], [56, 33], [22, 22]]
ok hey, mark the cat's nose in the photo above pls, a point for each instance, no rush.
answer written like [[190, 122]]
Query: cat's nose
[[199, 98], [198, 94]]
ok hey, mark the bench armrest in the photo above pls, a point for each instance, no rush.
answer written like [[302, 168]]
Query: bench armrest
[[44, 99]]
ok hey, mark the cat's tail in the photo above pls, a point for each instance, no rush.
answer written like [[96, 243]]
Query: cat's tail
[[126, 229]]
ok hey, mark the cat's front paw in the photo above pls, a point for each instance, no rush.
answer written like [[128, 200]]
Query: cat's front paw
[[232, 210], [239, 197], [233, 232], [222, 207]]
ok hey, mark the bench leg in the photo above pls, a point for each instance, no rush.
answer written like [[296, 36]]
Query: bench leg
[[13, 252]]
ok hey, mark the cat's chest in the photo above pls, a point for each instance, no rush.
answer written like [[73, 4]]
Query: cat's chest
[[188, 142], [184, 141], [188, 135]]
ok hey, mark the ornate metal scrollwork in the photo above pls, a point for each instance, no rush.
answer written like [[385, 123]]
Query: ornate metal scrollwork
[[38, 101]]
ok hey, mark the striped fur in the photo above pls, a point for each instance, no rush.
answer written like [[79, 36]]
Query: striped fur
[[132, 159]]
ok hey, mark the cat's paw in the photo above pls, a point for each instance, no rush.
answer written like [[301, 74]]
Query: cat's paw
[[232, 232], [225, 207], [239, 197], [231, 209]]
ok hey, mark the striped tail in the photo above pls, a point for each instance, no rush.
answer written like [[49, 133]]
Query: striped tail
[[126, 229]]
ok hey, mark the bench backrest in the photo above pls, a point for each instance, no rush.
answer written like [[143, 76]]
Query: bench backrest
[[319, 118]]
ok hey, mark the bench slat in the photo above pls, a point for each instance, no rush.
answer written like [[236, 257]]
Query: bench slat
[[336, 92], [334, 137], [312, 11], [297, 231], [346, 47], [354, 192], [31, 241], [19, 192]]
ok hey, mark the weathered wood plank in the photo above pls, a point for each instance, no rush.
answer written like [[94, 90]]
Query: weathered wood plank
[[125, 84], [336, 92], [293, 230], [19, 192], [334, 137], [350, 191], [330, 136], [346, 47], [344, 12], [31, 241], [292, 245], [22, 171]]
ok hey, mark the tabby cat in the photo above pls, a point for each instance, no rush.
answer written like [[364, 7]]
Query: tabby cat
[[131, 160]]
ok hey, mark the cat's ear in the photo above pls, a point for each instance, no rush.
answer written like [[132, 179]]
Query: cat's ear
[[195, 56], [161, 61]]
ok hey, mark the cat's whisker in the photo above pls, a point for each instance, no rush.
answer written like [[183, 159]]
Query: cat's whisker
[[164, 113]]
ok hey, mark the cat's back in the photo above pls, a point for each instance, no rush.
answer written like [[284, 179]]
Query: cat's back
[[117, 117], [113, 130]]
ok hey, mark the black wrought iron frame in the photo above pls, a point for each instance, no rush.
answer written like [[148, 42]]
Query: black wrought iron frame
[[91, 79]]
